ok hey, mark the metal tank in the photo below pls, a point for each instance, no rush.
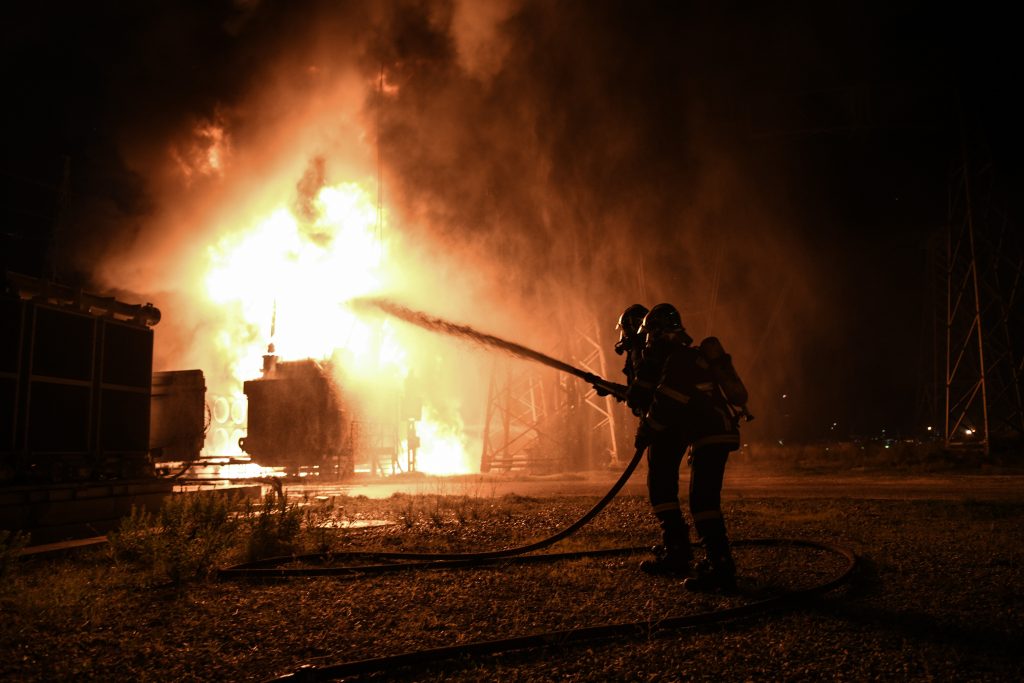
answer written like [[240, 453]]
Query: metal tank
[[296, 419]]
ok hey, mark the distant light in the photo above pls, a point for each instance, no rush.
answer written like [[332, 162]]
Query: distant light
[[886, 445], [968, 431], [929, 429]]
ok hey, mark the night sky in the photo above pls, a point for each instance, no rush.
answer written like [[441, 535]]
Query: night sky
[[613, 150]]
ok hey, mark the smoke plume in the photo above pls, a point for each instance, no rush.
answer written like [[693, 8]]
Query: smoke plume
[[548, 164]]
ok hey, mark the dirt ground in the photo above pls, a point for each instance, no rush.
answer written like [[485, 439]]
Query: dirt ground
[[742, 481], [938, 594]]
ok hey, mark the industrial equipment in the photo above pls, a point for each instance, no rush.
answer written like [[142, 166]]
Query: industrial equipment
[[296, 419], [75, 381], [177, 424]]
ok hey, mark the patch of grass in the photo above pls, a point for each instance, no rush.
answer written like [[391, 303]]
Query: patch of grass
[[185, 540], [439, 510], [191, 535], [941, 587], [407, 513], [319, 522], [271, 528]]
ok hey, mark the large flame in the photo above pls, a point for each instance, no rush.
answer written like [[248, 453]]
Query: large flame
[[285, 278]]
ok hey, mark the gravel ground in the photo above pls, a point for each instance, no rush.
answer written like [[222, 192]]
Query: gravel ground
[[938, 596]]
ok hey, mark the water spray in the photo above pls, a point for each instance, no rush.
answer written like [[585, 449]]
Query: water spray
[[443, 326]]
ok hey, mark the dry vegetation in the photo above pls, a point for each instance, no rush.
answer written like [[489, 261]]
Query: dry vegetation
[[938, 596]]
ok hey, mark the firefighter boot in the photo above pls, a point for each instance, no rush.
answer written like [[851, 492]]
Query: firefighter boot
[[717, 572], [674, 556]]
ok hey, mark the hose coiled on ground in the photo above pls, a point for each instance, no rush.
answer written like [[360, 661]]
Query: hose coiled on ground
[[271, 568]]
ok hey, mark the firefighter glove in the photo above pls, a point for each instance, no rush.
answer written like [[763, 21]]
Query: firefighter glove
[[643, 437]]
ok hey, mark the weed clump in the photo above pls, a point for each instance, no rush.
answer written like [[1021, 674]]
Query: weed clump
[[271, 528], [184, 540], [190, 536]]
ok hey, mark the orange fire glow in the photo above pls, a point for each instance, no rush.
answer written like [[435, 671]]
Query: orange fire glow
[[206, 154], [285, 279]]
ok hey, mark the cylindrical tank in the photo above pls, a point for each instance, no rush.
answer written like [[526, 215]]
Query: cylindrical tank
[[725, 374]]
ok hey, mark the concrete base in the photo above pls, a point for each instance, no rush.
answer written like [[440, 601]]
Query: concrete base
[[60, 512]]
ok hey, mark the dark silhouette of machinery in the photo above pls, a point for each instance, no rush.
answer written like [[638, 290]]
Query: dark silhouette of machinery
[[75, 397], [296, 419]]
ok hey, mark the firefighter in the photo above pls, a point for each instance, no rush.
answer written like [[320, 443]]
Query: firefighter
[[630, 342], [680, 390]]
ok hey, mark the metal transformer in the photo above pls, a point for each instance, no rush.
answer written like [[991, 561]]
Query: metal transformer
[[296, 419], [75, 392], [75, 381]]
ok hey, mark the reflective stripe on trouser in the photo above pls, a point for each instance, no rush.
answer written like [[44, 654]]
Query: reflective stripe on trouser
[[707, 469]]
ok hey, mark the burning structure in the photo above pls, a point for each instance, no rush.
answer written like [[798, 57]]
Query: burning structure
[[466, 158], [438, 154], [299, 421], [296, 419]]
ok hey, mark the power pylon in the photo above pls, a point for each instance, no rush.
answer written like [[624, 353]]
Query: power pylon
[[598, 414], [984, 263], [540, 420], [516, 435]]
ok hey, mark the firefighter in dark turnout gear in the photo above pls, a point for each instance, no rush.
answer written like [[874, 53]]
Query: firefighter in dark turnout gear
[[678, 390], [631, 343]]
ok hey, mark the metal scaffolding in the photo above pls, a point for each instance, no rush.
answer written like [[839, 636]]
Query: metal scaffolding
[[984, 262], [539, 420], [514, 422]]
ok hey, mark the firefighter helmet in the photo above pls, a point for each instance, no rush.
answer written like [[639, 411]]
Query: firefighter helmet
[[661, 319], [629, 322]]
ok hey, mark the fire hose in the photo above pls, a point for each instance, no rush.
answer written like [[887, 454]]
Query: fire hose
[[271, 568], [589, 634]]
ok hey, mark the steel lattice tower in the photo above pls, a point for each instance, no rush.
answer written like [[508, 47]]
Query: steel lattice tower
[[540, 420], [983, 266]]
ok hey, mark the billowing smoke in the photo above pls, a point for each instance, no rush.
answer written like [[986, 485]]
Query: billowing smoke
[[547, 164], [591, 162]]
